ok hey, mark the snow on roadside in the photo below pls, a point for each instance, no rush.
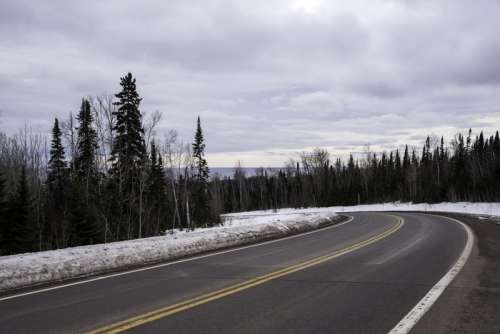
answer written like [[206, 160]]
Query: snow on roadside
[[238, 228], [487, 209], [35, 268]]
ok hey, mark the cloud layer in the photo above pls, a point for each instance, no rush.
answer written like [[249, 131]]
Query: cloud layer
[[268, 78]]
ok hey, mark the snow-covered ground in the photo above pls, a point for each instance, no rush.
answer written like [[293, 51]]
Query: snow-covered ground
[[239, 228], [487, 209], [35, 268]]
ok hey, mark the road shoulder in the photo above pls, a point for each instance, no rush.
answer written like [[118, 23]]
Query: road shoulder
[[471, 303]]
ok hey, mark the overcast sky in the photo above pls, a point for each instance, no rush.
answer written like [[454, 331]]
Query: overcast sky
[[268, 78]]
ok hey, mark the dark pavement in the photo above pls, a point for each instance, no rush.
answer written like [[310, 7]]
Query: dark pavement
[[365, 291]]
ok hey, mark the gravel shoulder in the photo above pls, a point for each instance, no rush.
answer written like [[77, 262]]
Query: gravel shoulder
[[471, 304]]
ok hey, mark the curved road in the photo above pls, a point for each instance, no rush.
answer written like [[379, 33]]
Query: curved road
[[363, 276]]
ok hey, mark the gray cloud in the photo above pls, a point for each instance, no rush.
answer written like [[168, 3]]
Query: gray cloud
[[268, 78]]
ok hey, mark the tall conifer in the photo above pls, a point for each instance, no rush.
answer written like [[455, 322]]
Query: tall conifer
[[201, 210], [21, 233], [85, 161], [156, 193], [3, 215], [128, 158], [129, 149], [57, 164], [57, 186], [83, 213]]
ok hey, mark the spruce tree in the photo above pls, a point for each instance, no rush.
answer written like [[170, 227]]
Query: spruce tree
[[156, 192], [128, 158], [85, 161], [496, 166], [20, 236], [201, 167], [406, 159], [83, 201], [129, 149], [57, 182], [201, 210], [442, 150], [83, 216], [459, 168], [57, 163], [3, 216]]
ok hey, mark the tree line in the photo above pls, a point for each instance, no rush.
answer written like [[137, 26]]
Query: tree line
[[105, 175], [467, 170]]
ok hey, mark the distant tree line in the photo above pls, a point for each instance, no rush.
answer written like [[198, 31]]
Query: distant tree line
[[468, 170], [105, 176]]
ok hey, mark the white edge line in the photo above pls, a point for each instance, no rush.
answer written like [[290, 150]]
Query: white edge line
[[412, 318], [174, 262]]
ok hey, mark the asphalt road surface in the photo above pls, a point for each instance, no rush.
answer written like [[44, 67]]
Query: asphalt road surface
[[358, 277]]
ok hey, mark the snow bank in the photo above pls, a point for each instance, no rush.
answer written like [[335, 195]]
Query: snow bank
[[35, 268], [487, 209]]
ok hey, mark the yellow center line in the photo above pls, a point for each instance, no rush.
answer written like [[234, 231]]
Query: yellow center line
[[206, 298]]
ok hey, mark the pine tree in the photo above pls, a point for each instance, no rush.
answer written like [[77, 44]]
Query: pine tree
[[85, 161], [496, 166], [406, 159], [57, 163], [129, 149], [57, 182], [3, 216], [459, 168], [201, 167], [442, 150], [398, 182], [156, 192], [201, 210], [128, 158], [83, 216], [156, 172], [20, 232], [83, 203]]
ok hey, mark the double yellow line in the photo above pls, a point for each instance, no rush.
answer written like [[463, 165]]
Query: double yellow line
[[206, 298]]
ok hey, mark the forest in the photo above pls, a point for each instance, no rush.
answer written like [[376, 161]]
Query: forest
[[106, 175]]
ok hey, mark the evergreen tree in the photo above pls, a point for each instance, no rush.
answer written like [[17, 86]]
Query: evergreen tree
[[156, 193], [57, 182], [83, 202], [496, 165], [3, 216], [20, 236], [128, 158], [459, 169], [442, 150], [201, 210], [201, 167], [57, 163], [85, 160], [83, 216], [398, 179], [129, 149], [406, 159]]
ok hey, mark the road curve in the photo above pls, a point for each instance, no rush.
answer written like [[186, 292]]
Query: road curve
[[360, 277]]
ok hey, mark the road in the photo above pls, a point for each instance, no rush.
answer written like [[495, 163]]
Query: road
[[359, 277]]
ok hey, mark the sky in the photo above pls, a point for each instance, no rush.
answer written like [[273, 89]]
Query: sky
[[268, 78]]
